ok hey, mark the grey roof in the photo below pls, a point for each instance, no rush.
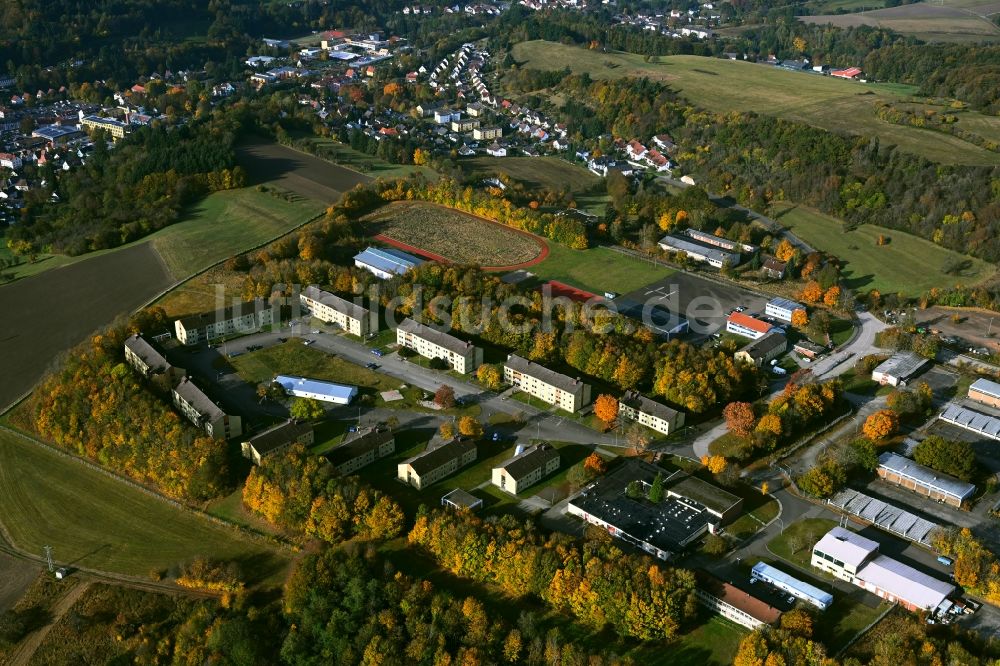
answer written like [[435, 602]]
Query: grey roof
[[884, 516], [526, 462], [550, 377], [786, 304], [636, 400], [195, 397], [152, 358], [278, 436], [902, 364], [926, 476], [431, 459], [440, 338], [712, 239], [388, 260], [766, 344], [987, 387], [232, 312], [335, 302], [462, 498], [810, 346], [693, 246], [905, 582], [711, 496], [988, 426], [359, 445]]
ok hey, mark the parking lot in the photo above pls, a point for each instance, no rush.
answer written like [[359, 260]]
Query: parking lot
[[704, 303]]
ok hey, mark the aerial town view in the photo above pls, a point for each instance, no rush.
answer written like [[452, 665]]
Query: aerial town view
[[545, 332]]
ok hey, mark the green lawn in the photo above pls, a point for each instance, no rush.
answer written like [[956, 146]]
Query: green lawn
[[713, 643], [729, 85], [534, 172], [225, 223], [753, 521], [598, 269], [342, 154], [94, 521], [729, 445], [796, 542], [908, 264]]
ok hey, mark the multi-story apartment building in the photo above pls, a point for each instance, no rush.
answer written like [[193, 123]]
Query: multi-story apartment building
[[637, 407], [243, 318], [435, 464], [525, 468], [461, 356], [198, 408], [148, 361], [333, 309], [277, 438], [547, 385]]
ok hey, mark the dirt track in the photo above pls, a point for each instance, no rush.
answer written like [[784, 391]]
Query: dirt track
[[309, 176], [53, 311]]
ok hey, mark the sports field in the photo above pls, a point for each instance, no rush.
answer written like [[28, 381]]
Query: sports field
[[598, 270], [535, 173], [908, 264], [97, 522], [938, 21], [454, 235], [731, 85]]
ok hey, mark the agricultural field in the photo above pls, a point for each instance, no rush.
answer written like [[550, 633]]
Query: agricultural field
[[97, 522], [598, 269], [79, 299], [344, 155], [454, 235], [939, 21], [720, 85], [908, 264], [535, 173], [308, 176]]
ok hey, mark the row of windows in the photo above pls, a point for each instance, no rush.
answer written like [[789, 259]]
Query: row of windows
[[829, 558]]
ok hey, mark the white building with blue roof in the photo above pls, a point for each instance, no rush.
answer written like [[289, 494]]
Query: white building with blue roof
[[386, 262], [793, 586], [303, 387], [782, 308]]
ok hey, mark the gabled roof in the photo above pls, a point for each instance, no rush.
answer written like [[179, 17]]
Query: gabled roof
[[766, 344], [439, 338], [926, 476], [432, 459], [986, 387], [278, 436], [335, 391], [636, 400], [200, 402], [526, 462], [541, 373], [232, 312], [388, 260], [740, 599], [152, 358], [335, 302], [359, 445]]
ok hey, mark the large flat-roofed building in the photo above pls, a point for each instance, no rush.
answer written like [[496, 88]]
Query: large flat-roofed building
[[764, 349], [147, 361], [58, 134], [386, 262], [925, 481], [243, 318], [782, 308], [657, 416], [663, 322], [734, 603], [898, 368], [362, 449], [547, 385], [793, 586], [525, 468], [277, 438], [718, 241], [986, 392], [303, 387], [746, 326], [723, 505], [116, 128], [434, 464], [661, 529], [461, 356], [710, 254], [854, 558], [971, 420], [333, 309], [198, 408]]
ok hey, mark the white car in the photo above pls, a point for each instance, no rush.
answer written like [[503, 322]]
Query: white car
[[308, 342]]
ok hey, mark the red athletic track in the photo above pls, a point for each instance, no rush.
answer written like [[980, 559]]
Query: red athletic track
[[563, 289]]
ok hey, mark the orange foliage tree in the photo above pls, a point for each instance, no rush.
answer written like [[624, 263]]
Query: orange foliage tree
[[832, 296], [595, 464], [606, 408], [739, 418], [880, 425], [812, 292], [799, 318]]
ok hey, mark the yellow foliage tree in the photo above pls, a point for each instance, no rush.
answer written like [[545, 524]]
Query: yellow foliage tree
[[715, 464], [832, 296], [606, 408], [800, 318], [880, 425], [784, 251], [812, 292], [468, 426]]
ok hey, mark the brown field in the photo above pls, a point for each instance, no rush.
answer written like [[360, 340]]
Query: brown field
[[15, 577], [308, 176], [953, 20], [454, 235], [55, 310]]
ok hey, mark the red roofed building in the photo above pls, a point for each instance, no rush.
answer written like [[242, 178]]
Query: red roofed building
[[733, 603], [635, 149], [388, 131], [747, 326], [139, 89], [849, 73]]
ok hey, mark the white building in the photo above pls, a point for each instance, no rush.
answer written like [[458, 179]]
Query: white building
[[734, 604], [525, 468], [333, 309], [782, 308], [242, 319], [303, 387], [746, 326], [652, 414], [461, 356], [547, 385], [898, 368], [385, 263]]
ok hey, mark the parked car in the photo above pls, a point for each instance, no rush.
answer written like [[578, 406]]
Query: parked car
[[377, 352], [308, 342], [371, 366], [947, 561]]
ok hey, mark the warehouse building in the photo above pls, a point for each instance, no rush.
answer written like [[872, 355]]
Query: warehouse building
[[925, 481], [793, 586], [970, 419], [303, 387], [782, 308], [885, 516], [710, 254], [898, 368], [461, 356], [855, 559], [333, 309], [718, 241], [986, 392], [547, 385], [385, 263]]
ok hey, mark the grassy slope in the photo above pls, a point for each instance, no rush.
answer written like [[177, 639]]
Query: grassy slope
[[939, 21], [534, 172], [224, 223], [908, 264], [344, 155], [597, 269], [95, 521], [726, 85]]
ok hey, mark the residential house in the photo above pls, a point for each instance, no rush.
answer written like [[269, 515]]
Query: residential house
[[243, 318], [496, 150], [774, 269], [547, 385], [198, 408], [526, 468], [436, 463], [277, 438], [459, 355], [657, 416]]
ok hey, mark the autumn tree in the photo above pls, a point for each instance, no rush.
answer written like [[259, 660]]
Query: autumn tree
[[595, 465], [715, 464], [784, 251], [420, 157], [306, 409], [444, 397], [832, 296], [447, 430], [800, 319], [606, 408], [740, 418], [490, 376], [469, 426], [880, 424], [812, 292]]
